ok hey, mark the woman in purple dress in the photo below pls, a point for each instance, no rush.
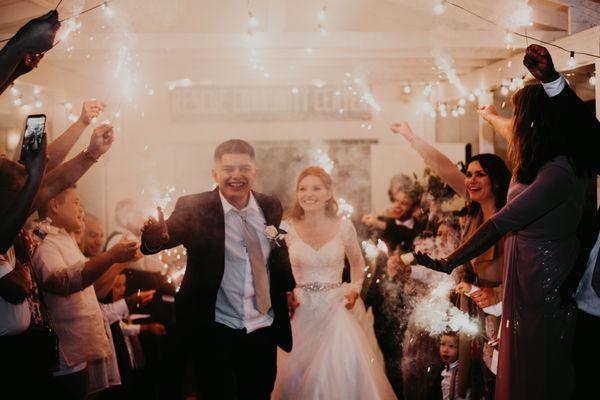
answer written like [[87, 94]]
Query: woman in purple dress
[[540, 222]]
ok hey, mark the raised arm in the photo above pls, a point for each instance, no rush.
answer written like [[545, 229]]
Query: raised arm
[[434, 158], [25, 48], [502, 125], [69, 172], [14, 216], [60, 147], [553, 184]]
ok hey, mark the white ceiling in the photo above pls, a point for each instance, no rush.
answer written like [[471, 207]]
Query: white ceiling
[[387, 41]]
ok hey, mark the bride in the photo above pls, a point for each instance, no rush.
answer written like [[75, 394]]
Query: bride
[[335, 353]]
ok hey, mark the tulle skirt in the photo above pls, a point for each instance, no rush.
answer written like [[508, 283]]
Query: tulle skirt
[[335, 353]]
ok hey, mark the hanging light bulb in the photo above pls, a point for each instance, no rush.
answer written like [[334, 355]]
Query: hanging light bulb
[[108, 10], [592, 79], [508, 38], [440, 7], [322, 31], [471, 97], [504, 90], [322, 14], [462, 102], [427, 90], [14, 91], [407, 89], [571, 62]]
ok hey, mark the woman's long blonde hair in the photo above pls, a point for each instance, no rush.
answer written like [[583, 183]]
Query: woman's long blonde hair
[[331, 208]]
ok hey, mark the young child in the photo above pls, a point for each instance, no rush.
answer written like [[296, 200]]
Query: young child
[[445, 375]]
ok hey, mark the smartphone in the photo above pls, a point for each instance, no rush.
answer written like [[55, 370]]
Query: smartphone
[[35, 126]]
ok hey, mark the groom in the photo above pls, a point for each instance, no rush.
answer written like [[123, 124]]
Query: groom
[[231, 309]]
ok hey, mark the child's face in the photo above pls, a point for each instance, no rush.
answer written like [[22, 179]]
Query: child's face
[[118, 290], [449, 349]]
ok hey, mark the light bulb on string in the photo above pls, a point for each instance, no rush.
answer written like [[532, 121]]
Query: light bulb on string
[[108, 10], [504, 90], [462, 102], [592, 79], [471, 97], [571, 62], [407, 89], [14, 91], [322, 14], [509, 38], [322, 31], [440, 7]]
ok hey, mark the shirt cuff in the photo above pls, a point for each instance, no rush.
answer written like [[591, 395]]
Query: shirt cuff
[[555, 87]]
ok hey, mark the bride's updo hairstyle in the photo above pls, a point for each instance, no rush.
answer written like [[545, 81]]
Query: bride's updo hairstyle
[[331, 207]]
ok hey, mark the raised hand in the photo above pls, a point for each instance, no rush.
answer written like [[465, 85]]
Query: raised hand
[[101, 140], [154, 232], [124, 251], [437, 265], [37, 36], [539, 62], [404, 129], [486, 112], [90, 110], [34, 157]]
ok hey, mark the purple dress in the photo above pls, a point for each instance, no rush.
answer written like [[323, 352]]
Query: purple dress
[[540, 221]]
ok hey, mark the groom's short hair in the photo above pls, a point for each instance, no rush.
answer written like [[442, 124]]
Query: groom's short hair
[[234, 146]]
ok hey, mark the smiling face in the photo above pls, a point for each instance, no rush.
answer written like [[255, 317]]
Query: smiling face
[[478, 183], [449, 349], [93, 238], [403, 206], [66, 211], [312, 194], [235, 174]]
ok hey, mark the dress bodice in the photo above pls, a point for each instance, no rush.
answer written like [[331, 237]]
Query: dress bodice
[[326, 264]]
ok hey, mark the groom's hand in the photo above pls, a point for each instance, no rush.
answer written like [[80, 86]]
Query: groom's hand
[[155, 233], [292, 303]]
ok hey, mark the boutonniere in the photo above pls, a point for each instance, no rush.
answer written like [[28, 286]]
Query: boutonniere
[[275, 234]]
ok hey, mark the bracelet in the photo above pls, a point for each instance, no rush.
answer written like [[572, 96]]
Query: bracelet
[[89, 156]]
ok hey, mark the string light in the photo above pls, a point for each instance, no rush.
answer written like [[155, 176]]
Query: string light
[[440, 7], [592, 79], [571, 62], [322, 14], [407, 89]]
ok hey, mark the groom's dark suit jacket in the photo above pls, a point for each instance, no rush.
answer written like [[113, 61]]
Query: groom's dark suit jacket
[[199, 224]]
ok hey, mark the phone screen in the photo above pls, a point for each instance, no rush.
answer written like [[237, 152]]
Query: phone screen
[[34, 130]]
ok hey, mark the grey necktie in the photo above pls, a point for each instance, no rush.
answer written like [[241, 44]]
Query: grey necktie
[[257, 264]]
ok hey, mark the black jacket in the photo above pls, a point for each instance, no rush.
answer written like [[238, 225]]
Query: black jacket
[[198, 223]]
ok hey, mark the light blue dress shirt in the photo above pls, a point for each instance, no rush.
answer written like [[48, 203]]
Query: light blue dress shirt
[[236, 306]]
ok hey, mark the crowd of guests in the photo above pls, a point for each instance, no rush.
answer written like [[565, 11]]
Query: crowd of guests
[[521, 250]]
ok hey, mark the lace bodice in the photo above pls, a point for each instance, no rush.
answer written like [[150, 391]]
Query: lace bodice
[[326, 264]]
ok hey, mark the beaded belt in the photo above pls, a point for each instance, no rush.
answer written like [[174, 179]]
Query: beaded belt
[[318, 286]]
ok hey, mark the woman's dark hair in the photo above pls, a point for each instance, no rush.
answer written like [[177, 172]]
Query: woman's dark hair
[[539, 136], [499, 175]]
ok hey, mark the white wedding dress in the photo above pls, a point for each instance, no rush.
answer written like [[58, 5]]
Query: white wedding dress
[[335, 353]]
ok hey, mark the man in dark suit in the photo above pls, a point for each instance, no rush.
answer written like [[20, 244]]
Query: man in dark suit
[[231, 309]]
